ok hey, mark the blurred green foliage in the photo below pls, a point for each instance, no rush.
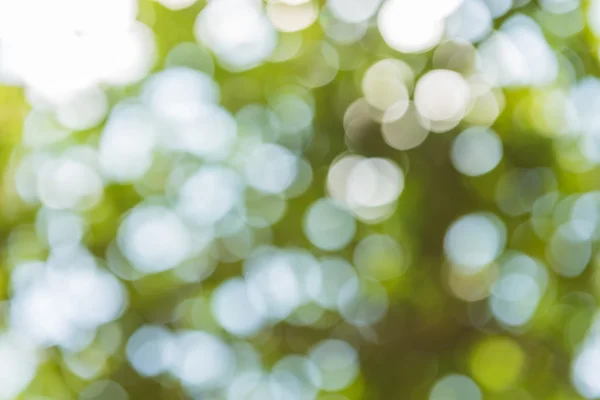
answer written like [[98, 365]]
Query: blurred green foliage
[[428, 331]]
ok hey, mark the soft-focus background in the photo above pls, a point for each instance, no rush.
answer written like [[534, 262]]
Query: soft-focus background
[[299, 199]]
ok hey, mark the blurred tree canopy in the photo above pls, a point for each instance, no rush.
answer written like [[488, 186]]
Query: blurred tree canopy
[[300, 199]]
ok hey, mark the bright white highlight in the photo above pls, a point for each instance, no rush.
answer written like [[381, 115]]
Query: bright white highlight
[[328, 226], [249, 39], [476, 151], [154, 239], [410, 27], [475, 240], [233, 309]]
